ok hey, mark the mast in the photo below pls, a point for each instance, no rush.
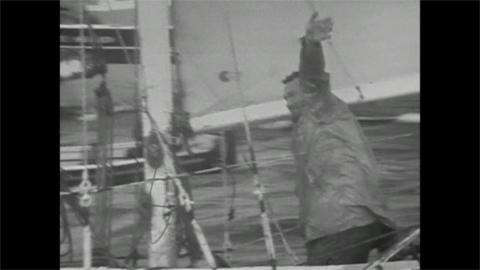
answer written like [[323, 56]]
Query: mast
[[104, 154], [153, 31]]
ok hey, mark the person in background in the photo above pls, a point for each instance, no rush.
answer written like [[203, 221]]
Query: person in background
[[341, 209]]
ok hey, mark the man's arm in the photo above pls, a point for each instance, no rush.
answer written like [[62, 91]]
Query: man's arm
[[312, 62]]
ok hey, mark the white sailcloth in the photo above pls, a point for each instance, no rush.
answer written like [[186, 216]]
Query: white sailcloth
[[376, 40]]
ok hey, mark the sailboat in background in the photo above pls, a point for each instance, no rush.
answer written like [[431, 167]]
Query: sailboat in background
[[373, 56]]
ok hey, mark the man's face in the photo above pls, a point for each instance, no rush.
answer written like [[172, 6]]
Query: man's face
[[295, 98]]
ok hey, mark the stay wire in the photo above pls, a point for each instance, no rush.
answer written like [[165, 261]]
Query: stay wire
[[285, 243], [230, 210], [167, 220], [83, 84], [258, 187], [120, 38]]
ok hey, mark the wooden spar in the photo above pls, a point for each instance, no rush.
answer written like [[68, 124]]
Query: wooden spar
[[153, 32], [277, 110]]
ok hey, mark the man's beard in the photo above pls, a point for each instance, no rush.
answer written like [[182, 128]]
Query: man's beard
[[298, 109]]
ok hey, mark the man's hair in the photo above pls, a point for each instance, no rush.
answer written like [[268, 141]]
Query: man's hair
[[308, 86]]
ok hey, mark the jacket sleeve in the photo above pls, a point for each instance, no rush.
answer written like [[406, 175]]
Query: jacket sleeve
[[312, 66]]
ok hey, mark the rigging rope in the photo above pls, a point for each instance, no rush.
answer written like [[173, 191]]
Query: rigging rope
[[104, 149], [230, 211], [85, 199], [286, 245], [258, 186], [155, 127], [85, 184], [83, 85], [120, 38], [264, 162], [183, 197], [244, 245]]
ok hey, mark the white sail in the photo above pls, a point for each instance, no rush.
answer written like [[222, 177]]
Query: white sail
[[375, 41], [375, 46]]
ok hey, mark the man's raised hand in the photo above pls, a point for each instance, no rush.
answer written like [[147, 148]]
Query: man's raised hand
[[318, 30]]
